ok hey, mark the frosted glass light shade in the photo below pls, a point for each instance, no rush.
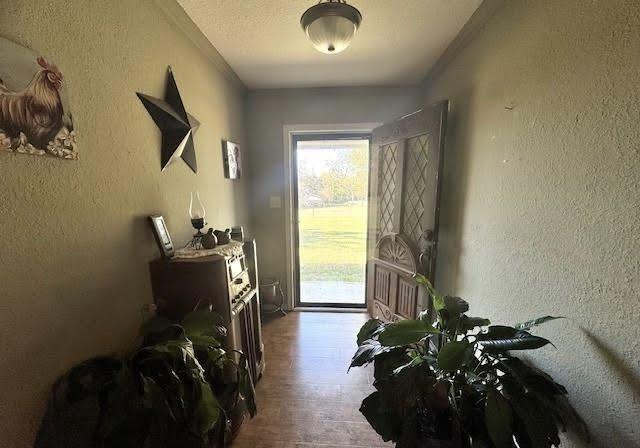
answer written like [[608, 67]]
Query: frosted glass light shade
[[331, 26], [331, 34]]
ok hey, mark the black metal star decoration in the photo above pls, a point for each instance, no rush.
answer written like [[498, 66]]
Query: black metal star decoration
[[176, 125]]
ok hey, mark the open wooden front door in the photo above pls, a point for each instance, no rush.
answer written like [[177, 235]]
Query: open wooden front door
[[406, 160]]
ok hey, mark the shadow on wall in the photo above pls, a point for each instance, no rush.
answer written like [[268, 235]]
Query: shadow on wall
[[454, 188], [142, 235], [625, 372], [617, 363]]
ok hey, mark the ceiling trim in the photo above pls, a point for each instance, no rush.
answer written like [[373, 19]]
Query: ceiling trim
[[176, 15], [469, 31]]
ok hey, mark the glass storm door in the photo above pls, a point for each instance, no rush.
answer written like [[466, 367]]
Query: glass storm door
[[330, 196]]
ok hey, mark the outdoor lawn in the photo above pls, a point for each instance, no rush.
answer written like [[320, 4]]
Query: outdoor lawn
[[333, 253]]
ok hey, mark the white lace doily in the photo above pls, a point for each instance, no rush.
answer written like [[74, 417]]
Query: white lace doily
[[225, 250]]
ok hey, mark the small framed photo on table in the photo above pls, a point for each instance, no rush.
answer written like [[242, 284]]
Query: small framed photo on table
[[232, 160], [161, 233]]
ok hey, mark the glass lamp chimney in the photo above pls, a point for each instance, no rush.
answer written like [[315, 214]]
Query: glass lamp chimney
[[196, 211]]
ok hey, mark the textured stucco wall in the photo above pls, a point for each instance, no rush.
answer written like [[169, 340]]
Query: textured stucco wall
[[74, 242], [541, 197], [268, 111]]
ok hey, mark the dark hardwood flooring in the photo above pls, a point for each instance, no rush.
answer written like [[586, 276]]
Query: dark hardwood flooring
[[306, 399]]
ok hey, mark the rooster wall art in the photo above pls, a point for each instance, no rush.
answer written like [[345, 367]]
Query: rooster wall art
[[34, 113]]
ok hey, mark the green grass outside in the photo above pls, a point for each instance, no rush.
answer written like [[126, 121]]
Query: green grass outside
[[333, 243]]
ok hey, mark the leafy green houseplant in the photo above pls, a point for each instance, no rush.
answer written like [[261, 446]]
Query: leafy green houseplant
[[179, 388], [456, 383]]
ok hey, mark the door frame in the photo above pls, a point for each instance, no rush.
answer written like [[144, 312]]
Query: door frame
[[289, 133]]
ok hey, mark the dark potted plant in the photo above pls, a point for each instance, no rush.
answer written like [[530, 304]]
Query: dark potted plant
[[455, 382], [179, 388]]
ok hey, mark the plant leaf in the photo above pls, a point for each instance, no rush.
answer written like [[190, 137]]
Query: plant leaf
[[374, 411], [424, 316], [438, 302], [405, 332], [90, 377], [368, 350], [528, 325], [422, 280], [245, 386], [415, 361], [455, 305], [534, 426], [204, 342], [469, 323], [454, 355], [437, 298], [369, 329], [501, 338], [571, 418], [154, 325], [498, 419], [161, 334], [545, 390], [530, 377], [207, 409], [204, 322], [387, 361]]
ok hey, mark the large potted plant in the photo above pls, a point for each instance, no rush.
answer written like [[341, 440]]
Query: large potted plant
[[179, 388], [456, 383]]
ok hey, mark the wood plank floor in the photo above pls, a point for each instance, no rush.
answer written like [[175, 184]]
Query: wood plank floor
[[306, 399]]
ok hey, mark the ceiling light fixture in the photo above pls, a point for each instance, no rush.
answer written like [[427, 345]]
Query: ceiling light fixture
[[330, 25]]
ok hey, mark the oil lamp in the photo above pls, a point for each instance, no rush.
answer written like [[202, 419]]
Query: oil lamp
[[197, 214]]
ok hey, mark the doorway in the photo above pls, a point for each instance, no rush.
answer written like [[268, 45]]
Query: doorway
[[330, 193]]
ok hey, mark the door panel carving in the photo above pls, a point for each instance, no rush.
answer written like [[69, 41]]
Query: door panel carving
[[407, 298], [382, 285], [395, 250], [382, 312]]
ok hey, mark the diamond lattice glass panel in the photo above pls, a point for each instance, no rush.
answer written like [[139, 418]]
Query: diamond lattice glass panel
[[415, 185], [387, 187]]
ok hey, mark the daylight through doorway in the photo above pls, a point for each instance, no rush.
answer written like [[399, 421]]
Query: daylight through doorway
[[331, 197]]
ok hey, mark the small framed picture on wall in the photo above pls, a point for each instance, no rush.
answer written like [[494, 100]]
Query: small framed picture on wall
[[232, 160], [161, 233]]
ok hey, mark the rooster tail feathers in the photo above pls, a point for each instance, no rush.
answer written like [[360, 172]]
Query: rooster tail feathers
[[42, 62]]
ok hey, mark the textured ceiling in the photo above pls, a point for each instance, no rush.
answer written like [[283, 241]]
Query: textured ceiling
[[398, 42]]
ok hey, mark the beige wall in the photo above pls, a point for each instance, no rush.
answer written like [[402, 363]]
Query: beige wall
[[541, 198], [268, 111], [74, 242]]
